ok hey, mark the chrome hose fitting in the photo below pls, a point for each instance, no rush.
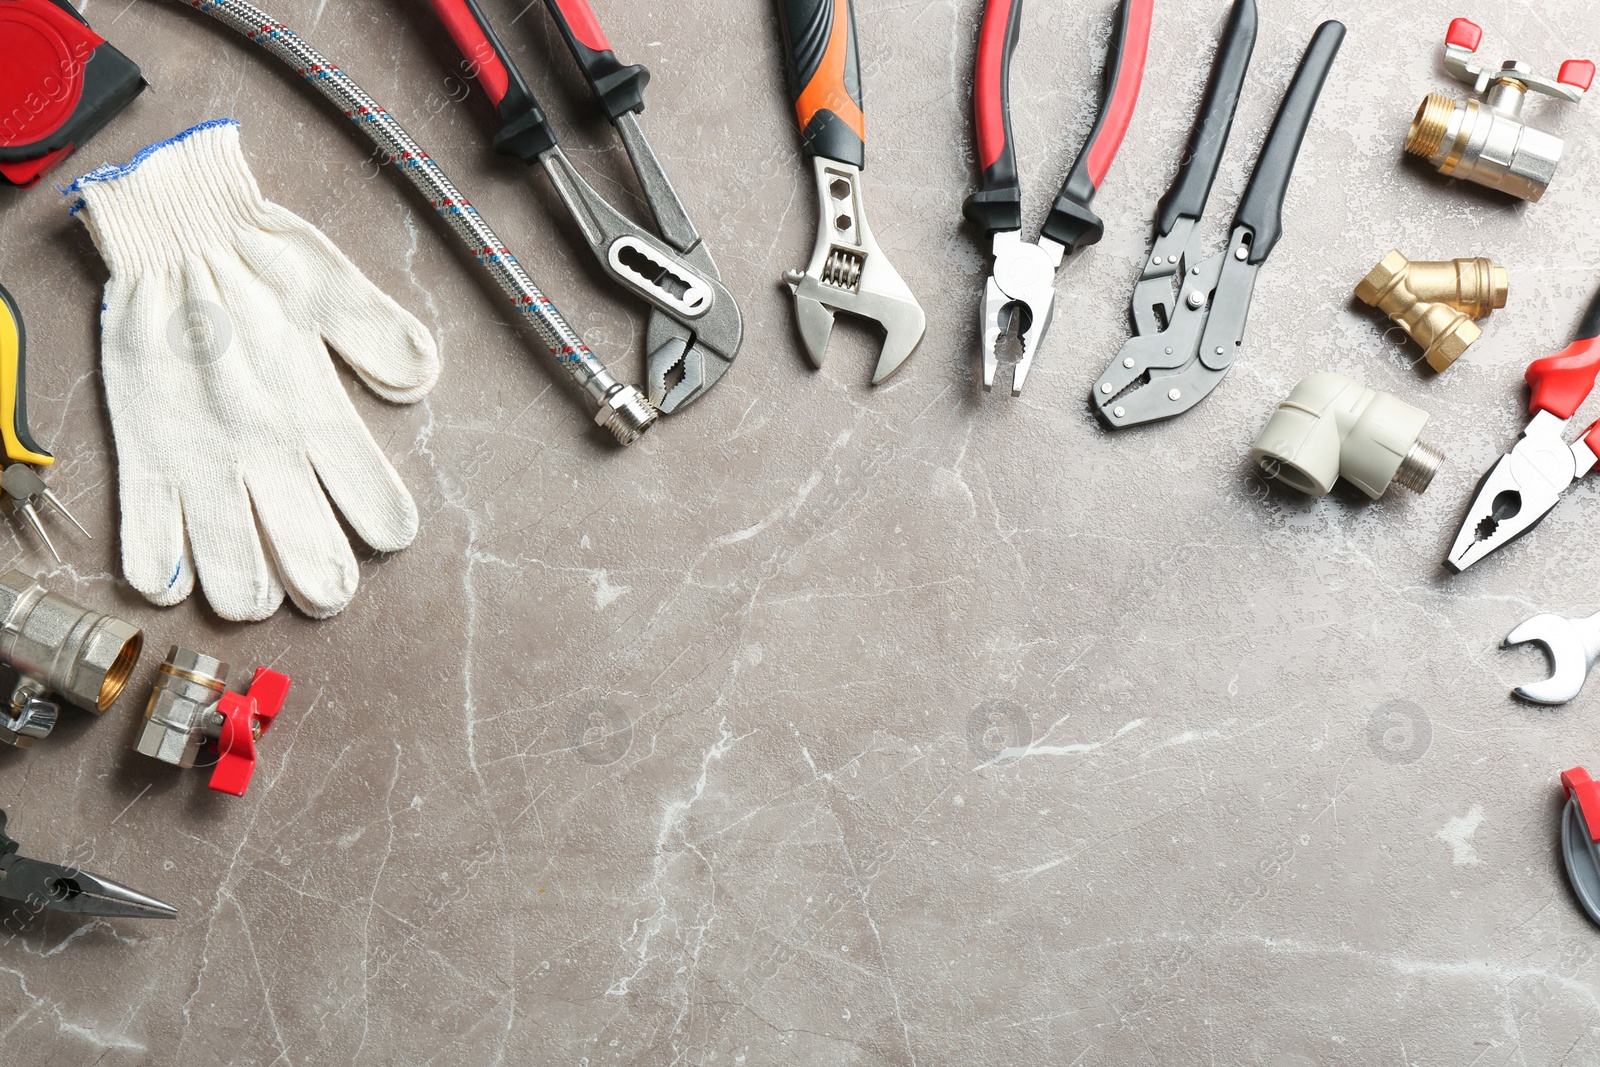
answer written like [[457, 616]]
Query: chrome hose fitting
[[60, 650], [190, 709], [1435, 303], [1486, 141], [626, 412]]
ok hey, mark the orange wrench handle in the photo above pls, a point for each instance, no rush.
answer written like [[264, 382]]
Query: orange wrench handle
[[819, 44]]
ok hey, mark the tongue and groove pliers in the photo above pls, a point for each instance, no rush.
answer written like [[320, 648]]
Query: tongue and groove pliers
[[1185, 340], [1021, 287], [695, 328], [1525, 483]]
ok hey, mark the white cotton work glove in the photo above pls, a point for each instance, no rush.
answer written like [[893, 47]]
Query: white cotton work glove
[[232, 427]]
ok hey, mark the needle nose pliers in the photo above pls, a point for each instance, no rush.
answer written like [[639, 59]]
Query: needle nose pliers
[[1021, 287], [695, 328], [36, 885]]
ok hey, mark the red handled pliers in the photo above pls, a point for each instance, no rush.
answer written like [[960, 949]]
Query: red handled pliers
[[1023, 280], [1522, 487]]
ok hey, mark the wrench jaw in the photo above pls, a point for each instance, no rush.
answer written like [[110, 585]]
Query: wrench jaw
[[1569, 659], [848, 272]]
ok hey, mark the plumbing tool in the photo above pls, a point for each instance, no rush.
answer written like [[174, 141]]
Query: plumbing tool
[[20, 481], [59, 84], [191, 709], [38, 885], [1486, 141], [1185, 341], [1020, 289], [1525, 483], [1580, 838], [695, 328], [623, 410], [60, 650], [1435, 303], [1330, 427], [848, 271], [1572, 645]]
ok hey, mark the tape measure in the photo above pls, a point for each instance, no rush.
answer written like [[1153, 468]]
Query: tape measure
[[59, 83]]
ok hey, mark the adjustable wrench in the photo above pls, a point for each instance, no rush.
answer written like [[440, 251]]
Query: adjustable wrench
[[848, 271]]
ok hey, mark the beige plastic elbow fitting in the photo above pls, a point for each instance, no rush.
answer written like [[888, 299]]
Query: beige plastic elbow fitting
[[1435, 302], [1331, 427]]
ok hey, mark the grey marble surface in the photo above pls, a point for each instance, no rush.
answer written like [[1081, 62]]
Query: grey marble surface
[[1264, 799]]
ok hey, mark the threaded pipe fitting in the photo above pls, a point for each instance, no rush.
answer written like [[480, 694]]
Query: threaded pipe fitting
[[1416, 471], [1430, 126], [627, 413]]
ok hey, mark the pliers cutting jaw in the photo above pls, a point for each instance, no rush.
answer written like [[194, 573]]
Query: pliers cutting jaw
[[695, 328], [1524, 485], [1189, 311], [1019, 293]]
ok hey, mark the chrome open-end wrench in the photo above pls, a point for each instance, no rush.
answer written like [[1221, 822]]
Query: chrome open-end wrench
[[1572, 644], [695, 328], [848, 271]]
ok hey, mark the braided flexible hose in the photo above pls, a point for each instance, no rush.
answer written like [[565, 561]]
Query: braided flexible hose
[[623, 409]]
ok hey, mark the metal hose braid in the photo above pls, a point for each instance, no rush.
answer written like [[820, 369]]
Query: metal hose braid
[[622, 408]]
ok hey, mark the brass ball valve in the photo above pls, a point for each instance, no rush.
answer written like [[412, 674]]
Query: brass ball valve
[[60, 651], [1435, 303], [192, 712], [1486, 141]]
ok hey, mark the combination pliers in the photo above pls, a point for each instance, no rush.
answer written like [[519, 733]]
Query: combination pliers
[[1020, 289], [695, 328], [1189, 310], [35, 885], [1525, 483]]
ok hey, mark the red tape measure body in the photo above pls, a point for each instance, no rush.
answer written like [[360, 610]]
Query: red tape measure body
[[59, 84]]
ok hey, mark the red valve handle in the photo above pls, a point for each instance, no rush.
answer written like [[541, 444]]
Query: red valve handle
[[1562, 382], [1582, 788], [1578, 73], [1464, 33], [244, 716]]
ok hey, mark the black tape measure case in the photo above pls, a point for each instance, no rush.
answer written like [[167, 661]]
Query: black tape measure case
[[59, 83]]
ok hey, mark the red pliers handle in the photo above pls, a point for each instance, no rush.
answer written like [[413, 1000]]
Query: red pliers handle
[[525, 132], [997, 205], [1561, 383]]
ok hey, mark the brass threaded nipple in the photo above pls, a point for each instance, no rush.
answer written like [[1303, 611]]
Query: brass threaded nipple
[[1430, 125]]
